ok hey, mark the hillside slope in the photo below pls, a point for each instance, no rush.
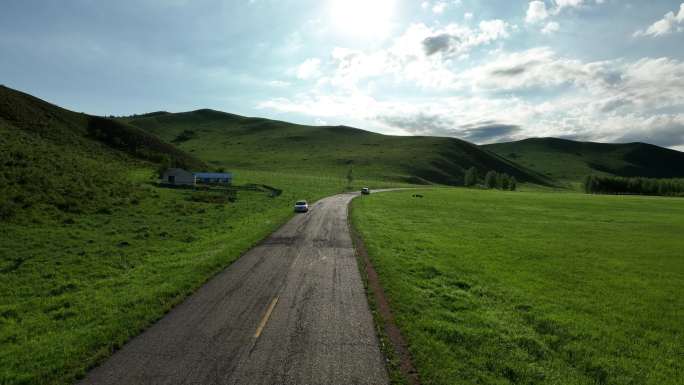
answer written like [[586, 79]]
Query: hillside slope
[[571, 161], [236, 142], [67, 160]]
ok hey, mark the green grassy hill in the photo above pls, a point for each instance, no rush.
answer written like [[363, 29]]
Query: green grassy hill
[[70, 161], [571, 161], [237, 142]]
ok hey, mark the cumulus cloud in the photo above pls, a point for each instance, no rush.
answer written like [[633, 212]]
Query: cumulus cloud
[[536, 12], [488, 131], [510, 118], [440, 125], [534, 68], [611, 100], [645, 84], [421, 55], [664, 130], [668, 24], [560, 4], [420, 123], [439, 7], [550, 28], [309, 69], [456, 39]]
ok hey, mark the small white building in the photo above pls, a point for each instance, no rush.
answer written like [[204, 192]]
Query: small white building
[[224, 178], [178, 177]]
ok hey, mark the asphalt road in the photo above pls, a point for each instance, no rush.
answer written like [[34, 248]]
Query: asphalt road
[[290, 311]]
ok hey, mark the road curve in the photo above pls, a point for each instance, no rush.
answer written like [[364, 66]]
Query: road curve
[[292, 310]]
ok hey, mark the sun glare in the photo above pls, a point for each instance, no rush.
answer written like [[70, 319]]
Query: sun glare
[[363, 18]]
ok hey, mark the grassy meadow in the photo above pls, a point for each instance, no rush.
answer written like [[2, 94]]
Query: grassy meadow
[[494, 287], [76, 286], [489, 287]]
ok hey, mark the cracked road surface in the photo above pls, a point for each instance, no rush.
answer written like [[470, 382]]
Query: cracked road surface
[[292, 310]]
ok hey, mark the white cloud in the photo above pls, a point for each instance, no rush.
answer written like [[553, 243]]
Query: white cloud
[[665, 26], [550, 28], [458, 39], [536, 12], [614, 100], [309, 69], [468, 16], [644, 85], [439, 7], [560, 4], [484, 119], [421, 55], [620, 99]]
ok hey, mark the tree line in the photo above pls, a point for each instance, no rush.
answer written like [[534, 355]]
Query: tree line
[[594, 184], [492, 180]]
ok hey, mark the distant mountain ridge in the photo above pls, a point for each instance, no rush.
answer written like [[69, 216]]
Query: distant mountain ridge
[[569, 160], [63, 151], [233, 141]]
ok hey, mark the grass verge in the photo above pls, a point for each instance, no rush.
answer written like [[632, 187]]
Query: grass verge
[[497, 287], [392, 344]]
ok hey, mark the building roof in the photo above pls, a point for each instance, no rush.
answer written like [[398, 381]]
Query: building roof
[[214, 175], [176, 170]]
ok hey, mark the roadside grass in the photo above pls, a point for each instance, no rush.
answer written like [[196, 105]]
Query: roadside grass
[[392, 358], [493, 287], [74, 287]]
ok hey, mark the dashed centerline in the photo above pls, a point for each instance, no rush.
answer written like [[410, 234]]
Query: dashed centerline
[[265, 318]]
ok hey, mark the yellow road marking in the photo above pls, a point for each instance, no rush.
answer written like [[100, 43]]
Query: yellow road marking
[[264, 320]]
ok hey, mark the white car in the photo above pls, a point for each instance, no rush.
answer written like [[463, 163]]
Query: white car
[[301, 207], [365, 191]]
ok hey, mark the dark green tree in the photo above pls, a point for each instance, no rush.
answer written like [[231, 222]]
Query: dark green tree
[[513, 184], [490, 179], [470, 178], [503, 181], [594, 184]]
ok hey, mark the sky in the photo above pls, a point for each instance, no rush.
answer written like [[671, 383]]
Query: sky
[[483, 71]]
